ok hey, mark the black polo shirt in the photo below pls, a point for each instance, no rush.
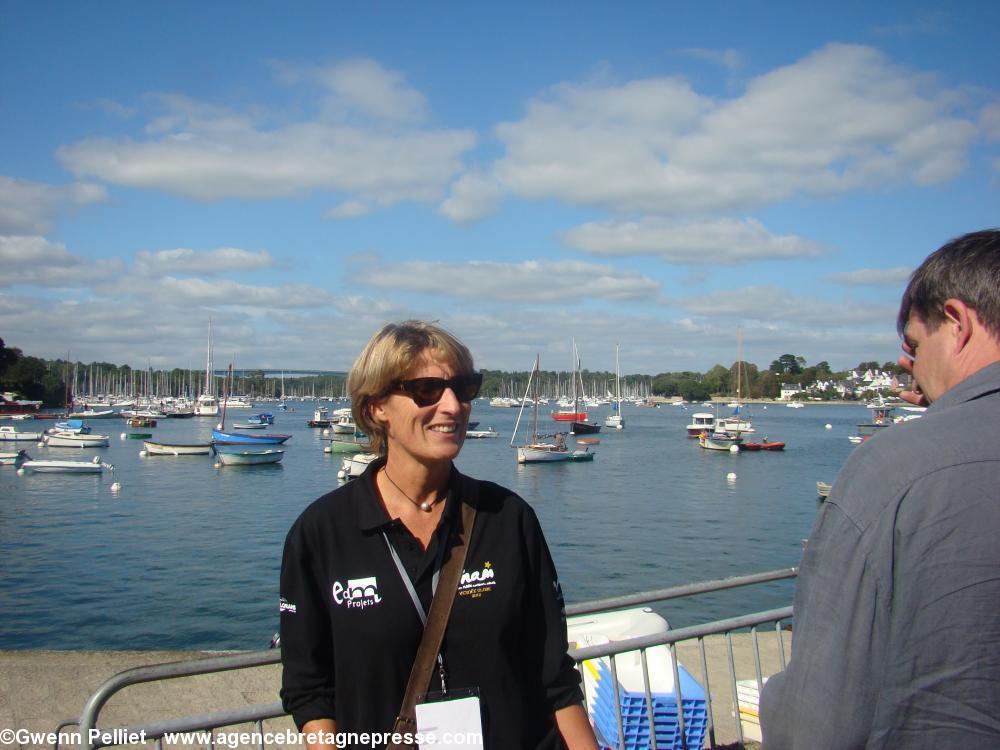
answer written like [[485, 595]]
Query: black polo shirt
[[350, 631]]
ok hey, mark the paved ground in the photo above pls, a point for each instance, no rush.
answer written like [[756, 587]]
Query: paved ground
[[40, 689]]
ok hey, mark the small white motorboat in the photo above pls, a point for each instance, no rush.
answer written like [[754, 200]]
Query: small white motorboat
[[250, 426], [245, 456], [489, 432], [8, 458], [74, 440], [94, 466], [154, 448], [12, 434], [354, 466]]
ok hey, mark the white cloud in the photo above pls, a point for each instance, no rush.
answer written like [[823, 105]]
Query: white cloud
[[370, 89], [710, 242], [35, 261], [538, 282], [839, 119], [874, 276], [473, 196], [209, 152], [28, 208], [225, 293], [730, 59], [201, 262], [768, 304], [348, 210]]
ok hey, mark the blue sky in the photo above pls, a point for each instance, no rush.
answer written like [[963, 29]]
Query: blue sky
[[656, 174]]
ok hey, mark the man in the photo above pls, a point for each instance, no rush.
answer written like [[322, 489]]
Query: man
[[897, 608]]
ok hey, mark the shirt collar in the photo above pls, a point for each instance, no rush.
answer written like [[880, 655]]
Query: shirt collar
[[372, 515], [980, 383]]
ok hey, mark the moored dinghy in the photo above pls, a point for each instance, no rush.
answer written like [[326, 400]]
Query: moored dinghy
[[156, 448], [12, 434], [243, 455], [74, 440], [53, 466]]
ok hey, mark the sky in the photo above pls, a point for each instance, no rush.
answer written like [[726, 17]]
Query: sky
[[687, 181]]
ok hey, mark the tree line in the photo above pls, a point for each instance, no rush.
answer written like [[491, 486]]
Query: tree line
[[51, 381]]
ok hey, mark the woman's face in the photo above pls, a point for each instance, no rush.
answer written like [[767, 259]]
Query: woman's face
[[427, 434]]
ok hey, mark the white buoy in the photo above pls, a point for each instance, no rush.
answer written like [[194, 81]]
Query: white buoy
[[325, 432], [142, 454], [328, 449], [219, 427], [217, 465], [734, 449], [829, 426], [95, 460], [341, 474], [20, 472], [41, 444], [731, 476], [116, 488], [123, 436]]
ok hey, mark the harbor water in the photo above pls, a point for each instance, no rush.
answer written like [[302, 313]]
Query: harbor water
[[186, 555]]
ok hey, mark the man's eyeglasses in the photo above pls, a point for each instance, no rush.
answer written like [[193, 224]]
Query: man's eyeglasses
[[428, 391]]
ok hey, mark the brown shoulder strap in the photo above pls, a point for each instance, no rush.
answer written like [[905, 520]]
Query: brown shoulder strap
[[437, 619]]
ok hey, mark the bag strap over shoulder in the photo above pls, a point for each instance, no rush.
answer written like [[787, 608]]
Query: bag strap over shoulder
[[437, 620]]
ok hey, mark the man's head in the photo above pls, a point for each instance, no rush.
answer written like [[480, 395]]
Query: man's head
[[950, 313]]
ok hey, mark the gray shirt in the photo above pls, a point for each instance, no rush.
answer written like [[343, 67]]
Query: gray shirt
[[897, 607]]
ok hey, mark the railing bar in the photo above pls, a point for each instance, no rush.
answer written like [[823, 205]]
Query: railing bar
[[736, 696], [708, 695], [618, 703], [756, 660], [681, 634], [650, 717], [211, 737], [674, 592], [678, 697], [159, 743], [781, 644], [229, 717]]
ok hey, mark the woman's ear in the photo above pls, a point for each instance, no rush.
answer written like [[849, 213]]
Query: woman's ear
[[376, 410]]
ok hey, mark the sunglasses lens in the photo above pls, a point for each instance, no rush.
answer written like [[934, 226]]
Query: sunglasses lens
[[428, 391]]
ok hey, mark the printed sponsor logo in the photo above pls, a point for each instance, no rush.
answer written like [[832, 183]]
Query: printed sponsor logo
[[357, 594], [478, 582], [285, 606]]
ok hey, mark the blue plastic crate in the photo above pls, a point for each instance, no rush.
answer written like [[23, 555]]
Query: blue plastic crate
[[634, 712]]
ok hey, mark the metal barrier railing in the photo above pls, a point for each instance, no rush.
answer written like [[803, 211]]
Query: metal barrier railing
[[258, 713]]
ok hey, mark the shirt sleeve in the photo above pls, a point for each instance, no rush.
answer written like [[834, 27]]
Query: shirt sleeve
[[825, 697], [941, 679], [307, 678], [560, 679]]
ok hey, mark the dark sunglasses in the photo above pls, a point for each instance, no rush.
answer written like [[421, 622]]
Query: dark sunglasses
[[428, 391]]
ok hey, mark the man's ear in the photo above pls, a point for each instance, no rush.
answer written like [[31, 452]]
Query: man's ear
[[962, 320]]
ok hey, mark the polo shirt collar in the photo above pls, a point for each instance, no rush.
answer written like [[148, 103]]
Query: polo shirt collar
[[372, 516], [980, 383]]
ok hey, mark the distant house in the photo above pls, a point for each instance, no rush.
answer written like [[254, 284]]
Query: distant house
[[788, 390]]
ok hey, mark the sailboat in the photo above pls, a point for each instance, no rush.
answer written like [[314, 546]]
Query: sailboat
[[246, 443], [615, 420], [207, 404], [536, 451], [736, 423], [577, 418]]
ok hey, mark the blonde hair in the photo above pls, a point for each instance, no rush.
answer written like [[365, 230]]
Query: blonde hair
[[389, 356]]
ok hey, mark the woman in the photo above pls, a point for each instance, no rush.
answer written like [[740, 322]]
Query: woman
[[350, 625]]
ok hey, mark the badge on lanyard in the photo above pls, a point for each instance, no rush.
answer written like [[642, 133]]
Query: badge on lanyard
[[451, 720]]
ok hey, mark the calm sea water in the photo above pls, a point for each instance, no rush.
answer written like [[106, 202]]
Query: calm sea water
[[186, 556]]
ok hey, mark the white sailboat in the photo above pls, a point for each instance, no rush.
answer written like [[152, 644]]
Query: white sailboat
[[616, 421], [536, 451], [207, 404]]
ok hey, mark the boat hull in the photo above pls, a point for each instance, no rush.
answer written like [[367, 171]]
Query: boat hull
[[153, 448], [232, 438], [62, 467], [250, 457], [9, 434], [77, 441]]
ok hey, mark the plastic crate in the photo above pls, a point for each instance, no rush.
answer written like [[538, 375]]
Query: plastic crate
[[635, 712]]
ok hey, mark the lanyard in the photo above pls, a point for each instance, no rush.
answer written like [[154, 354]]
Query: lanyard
[[442, 535]]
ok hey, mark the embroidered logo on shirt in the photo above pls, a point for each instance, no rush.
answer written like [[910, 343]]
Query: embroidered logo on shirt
[[358, 593], [478, 582], [285, 606]]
